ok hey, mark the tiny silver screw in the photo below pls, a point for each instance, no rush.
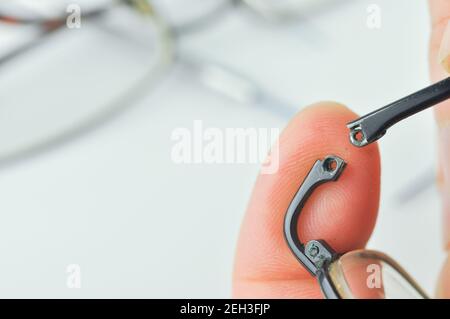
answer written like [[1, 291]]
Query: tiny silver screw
[[313, 251]]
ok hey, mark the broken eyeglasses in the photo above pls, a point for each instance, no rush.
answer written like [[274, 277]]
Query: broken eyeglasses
[[358, 274]]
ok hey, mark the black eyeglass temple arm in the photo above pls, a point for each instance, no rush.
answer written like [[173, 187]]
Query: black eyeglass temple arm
[[374, 125]]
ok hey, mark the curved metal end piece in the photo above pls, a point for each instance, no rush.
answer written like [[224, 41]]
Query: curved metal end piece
[[357, 135], [317, 252]]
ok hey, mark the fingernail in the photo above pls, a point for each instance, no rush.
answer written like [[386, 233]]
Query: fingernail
[[444, 50], [445, 190]]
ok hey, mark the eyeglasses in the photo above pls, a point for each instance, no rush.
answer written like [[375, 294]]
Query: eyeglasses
[[94, 76], [359, 274]]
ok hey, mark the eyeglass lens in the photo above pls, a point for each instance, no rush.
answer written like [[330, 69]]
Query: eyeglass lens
[[365, 274]]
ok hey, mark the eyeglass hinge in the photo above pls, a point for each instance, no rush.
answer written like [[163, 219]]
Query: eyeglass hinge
[[319, 252]]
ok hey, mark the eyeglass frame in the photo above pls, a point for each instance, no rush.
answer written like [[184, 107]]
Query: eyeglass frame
[[317, 255]]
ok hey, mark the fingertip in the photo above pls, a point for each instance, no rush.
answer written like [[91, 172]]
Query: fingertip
[[342, 213]]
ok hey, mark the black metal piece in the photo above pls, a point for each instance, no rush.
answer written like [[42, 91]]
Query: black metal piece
[[319, 252], [373, 126], [316, 253], [316, 256], [326, 284]]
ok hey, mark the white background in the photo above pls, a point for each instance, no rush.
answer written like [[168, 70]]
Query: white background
[[141, 226]]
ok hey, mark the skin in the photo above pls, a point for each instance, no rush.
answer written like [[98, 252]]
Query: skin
[[440, 14], [264, 265]]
